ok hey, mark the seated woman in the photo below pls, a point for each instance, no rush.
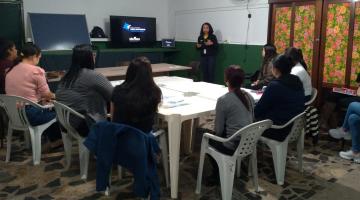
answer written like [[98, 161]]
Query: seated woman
[[265, 74], [8, 54], [135, 102], [333, 105], [84, 90], [28, 80], [299, 69], [282, 100], [351, 129], [234, 110]]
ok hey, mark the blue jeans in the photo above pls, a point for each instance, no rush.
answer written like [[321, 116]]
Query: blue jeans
[[38, 116], [352, 124], [207, 64]]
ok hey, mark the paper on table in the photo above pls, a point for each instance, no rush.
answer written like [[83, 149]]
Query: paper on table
[[173, 101]]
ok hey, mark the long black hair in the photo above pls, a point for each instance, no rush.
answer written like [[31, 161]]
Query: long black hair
[[296, 56], [270, 53], [283, 63], [82, 57], [211, 30], [5, 46], [143, 95], [235, 76], [27, 51]]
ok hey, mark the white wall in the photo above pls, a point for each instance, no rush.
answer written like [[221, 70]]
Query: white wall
[[98, 11], [228, 17]]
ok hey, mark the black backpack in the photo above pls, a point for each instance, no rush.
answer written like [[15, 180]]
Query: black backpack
[[97, 32]]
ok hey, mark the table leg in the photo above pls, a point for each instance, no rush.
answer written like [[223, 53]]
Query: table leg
[[174, 132]]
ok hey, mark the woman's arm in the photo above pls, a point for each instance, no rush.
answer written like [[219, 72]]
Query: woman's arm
[[42, 86], [220, 117], [265, 102], [103, 86]]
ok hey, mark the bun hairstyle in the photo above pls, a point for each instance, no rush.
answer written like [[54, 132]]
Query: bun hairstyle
[[283, 63], [235, 76], [27, 51], [296, 56]]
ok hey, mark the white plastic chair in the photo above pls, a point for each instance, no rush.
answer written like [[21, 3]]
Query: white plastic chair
[[227, 164], [279, 149], [63, 113], [161, 135], [314, 93], [15, 109]]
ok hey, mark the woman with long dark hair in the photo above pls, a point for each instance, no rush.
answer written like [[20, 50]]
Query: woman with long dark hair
[[299, 69], [265, 74], [27, 80], [83, 89], [8, 54], [234, 110], [208, 45], [135, 102]]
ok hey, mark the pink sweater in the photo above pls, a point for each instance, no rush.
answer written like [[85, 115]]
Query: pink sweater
[[27, 81]]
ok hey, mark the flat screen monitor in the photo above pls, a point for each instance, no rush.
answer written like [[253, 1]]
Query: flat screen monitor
[[58, 31], [132, 31]]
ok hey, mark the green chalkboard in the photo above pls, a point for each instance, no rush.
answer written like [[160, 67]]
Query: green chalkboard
[[11, 21]]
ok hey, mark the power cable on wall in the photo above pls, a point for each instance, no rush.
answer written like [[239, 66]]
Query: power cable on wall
[[247, 31]]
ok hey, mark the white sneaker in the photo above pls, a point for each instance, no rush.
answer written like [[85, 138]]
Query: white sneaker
[[348, 155], [339, 133]]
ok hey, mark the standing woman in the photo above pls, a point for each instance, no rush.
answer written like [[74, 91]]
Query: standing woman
[[208, 45]]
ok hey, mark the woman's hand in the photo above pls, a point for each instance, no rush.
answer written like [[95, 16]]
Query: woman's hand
[[255, 83], [198, 45], [209, 43]]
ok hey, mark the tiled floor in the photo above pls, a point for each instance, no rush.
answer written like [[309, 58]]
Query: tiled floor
[[325, 176]]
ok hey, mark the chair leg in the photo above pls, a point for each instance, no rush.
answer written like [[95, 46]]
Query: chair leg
[[35, 136], [279, 153], [254, 169], [165, 158], [84, 159], [9, 142], [200, 170], [67, 148], [120, 172], [300, 150], [238, 167], [27, 139], [227, 173]]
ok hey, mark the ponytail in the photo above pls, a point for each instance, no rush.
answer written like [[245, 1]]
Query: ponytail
[[240, 94]]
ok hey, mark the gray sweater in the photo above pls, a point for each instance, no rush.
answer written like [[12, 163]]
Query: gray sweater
[[231, 116], [88, 94]]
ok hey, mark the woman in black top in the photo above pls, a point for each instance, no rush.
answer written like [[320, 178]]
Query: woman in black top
[[208, 44], [135, 102]]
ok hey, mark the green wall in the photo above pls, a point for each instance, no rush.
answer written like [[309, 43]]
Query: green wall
[[247, 56]]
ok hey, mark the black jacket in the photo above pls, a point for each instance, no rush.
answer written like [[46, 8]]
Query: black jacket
[[208, 50], [282, 100]]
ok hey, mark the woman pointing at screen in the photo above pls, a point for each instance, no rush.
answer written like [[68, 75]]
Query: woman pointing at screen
[[207, 43]]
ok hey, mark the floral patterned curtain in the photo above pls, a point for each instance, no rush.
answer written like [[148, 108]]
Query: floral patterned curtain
[[282, 28], [337, 33], [355, 69], [304, 32]]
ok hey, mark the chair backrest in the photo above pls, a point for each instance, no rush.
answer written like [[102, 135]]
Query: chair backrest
[[299, 123], [250, 136], [314, 93], [15, 109], [63, 113]]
